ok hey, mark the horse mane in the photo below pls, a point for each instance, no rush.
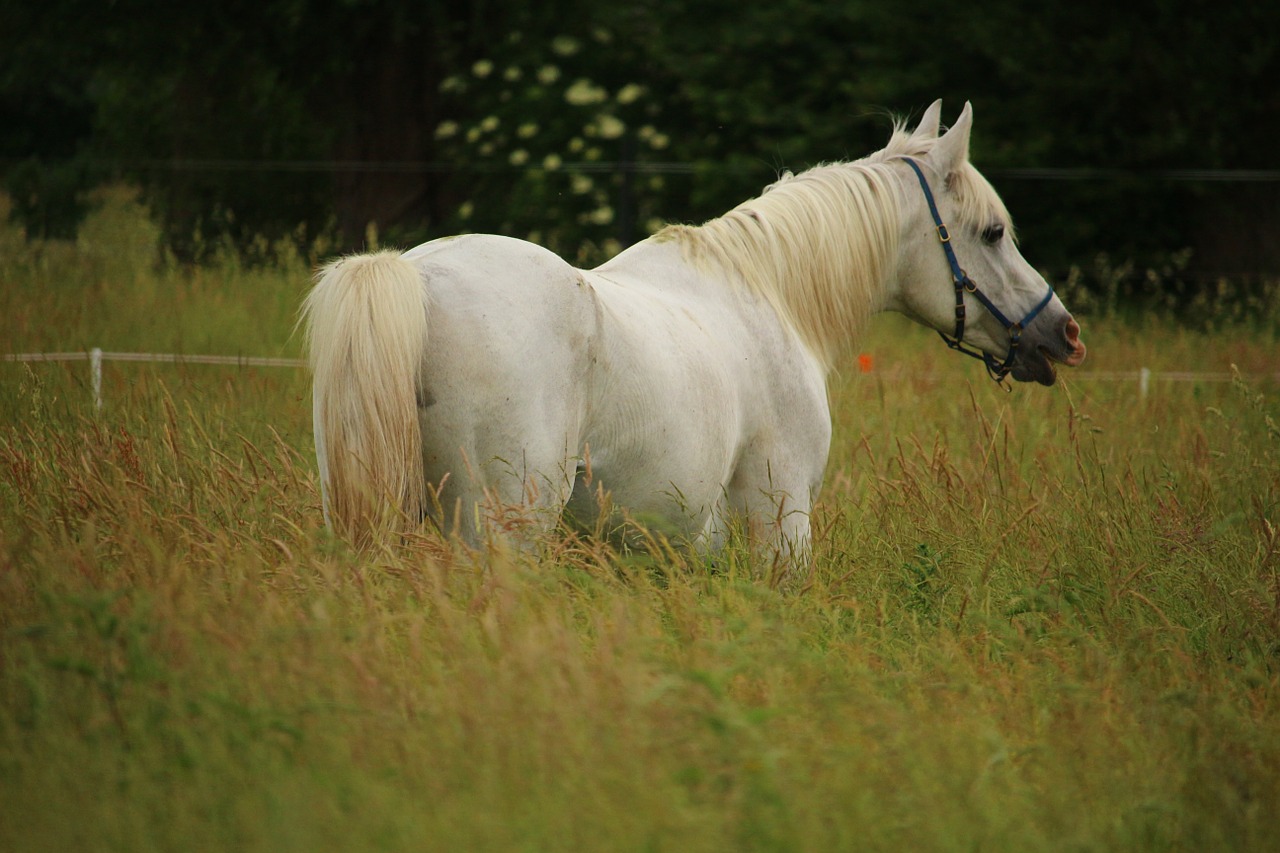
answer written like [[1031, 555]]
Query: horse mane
[[820, 245]]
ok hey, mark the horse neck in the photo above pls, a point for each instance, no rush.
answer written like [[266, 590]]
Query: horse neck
[[820, 247]]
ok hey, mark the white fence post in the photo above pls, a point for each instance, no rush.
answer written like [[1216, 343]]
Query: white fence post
[[1144, 382], [95, 372]]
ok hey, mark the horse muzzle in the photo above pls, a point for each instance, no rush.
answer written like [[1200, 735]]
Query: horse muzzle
[[1041, 350]]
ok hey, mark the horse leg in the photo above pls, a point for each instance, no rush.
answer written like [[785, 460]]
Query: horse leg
[[478, 490], [775, 507], [524, 497]]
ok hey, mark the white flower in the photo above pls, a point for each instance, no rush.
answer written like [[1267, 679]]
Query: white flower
[[584, 93], [518, 157], [629, 93], [551, 162], [446, 129], [548, 74], [482, 69], [600, 216], [609, 127], [528, 130], [564, 45]]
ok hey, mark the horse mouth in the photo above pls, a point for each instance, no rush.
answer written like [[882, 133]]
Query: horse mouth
[[1038, 364], [1041, 366], [1035, 366]]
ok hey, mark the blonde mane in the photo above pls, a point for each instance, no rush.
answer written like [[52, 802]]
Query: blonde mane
[[820, 246]]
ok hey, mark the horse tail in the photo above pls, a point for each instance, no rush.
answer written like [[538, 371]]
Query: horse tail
[[366, 332]]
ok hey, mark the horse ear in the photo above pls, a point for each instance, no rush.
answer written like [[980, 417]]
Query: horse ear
[[929, 122], [952, 150]]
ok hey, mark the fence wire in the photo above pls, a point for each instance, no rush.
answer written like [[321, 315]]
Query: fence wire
[[1143, 376]]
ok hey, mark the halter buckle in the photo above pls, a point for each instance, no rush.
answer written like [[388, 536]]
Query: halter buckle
[[943, 234]]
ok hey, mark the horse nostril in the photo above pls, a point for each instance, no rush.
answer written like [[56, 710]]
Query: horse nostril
[[1072, 332]]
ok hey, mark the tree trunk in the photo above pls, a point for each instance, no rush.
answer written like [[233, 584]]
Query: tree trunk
[[387, 122]]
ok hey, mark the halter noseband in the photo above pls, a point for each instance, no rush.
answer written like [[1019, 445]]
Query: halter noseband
[[997, 369]]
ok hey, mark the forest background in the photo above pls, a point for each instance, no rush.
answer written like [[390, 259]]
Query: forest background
[[1134, 142]]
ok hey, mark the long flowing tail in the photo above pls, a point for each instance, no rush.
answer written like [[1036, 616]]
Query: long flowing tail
[[366, 331]]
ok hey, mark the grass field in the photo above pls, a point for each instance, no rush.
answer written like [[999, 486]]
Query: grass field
[[1041, 620]]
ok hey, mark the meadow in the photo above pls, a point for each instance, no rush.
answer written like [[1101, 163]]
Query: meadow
[[1047, 619]]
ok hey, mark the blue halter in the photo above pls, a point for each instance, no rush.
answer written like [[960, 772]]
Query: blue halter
[[996, 368]]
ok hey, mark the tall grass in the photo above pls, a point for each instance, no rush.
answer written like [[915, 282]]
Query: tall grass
[[1041, 620]]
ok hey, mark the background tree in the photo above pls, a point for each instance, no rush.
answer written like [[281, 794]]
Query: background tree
[[585, 126]]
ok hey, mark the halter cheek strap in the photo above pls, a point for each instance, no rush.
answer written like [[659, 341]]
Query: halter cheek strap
[[963, 284]]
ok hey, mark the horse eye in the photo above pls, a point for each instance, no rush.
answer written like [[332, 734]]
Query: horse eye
[[992, 234]]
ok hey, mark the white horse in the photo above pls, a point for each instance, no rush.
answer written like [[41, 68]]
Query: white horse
[[684, 382]]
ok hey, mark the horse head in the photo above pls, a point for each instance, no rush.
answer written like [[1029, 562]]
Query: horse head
[[960, 270]]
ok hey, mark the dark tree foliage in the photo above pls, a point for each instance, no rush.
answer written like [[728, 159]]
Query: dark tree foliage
[[580, 124]]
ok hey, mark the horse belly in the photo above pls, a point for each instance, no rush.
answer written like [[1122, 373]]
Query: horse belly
[[676, 497], [662, 451]]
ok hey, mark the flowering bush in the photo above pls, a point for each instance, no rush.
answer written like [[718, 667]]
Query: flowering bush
[[577, 159]]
